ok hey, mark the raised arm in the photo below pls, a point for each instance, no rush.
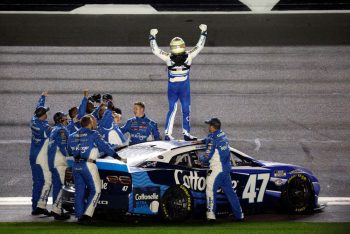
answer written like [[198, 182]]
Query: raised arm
[[82, 107], [200, 44], [155, 49], [42, 98]]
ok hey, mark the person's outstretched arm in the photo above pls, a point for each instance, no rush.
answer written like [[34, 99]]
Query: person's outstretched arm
[[200, 44], [42, 99], [165, 56]]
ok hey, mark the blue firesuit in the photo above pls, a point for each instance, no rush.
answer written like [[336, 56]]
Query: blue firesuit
[[39, 160], [110, 131], [178, 82], [219, 157], [85, 145], [74, 124], [141, 130], [57, 163]]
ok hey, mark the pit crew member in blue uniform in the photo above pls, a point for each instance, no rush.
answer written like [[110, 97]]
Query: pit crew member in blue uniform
[[219, 158], [179, 62], [141, 128], [107, 127], [38, 157], [85, 145], [77, 113], [57, 162]]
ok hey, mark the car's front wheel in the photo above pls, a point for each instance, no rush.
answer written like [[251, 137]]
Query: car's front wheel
[[176, 204], [298, 195]]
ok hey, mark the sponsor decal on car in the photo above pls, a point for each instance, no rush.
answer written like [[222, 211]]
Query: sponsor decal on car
[[146, 198]]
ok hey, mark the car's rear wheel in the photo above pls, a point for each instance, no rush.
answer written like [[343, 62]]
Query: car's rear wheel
[[176, 204], [299, 195]]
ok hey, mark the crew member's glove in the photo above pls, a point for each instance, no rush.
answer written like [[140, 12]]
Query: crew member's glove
[[110, 105], [116, 156]]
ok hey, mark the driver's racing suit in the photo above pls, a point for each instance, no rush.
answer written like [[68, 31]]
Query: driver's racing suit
[[178, 82], [219, 158]]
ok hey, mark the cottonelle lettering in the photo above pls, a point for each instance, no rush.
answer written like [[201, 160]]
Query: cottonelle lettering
[[193, 181]]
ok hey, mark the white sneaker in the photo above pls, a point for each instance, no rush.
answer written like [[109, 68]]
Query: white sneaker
[[169, 138]]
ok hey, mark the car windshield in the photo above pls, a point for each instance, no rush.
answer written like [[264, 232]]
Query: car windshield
[[137, 154]]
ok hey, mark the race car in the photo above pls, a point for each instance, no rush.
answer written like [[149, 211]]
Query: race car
[[167, 178]]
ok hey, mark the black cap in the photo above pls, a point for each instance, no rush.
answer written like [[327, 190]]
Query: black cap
[[40, 111], [107, 97], [58, 117], [215, 122], [95, 98]]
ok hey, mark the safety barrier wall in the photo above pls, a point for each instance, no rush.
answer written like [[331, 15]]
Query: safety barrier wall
[[182, 5]]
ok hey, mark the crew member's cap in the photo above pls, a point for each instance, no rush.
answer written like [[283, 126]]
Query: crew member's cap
[[59, 116], [215, 122], [40, 111], [107, 97]]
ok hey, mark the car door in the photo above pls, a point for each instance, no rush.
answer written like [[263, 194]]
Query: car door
[[249, 180]]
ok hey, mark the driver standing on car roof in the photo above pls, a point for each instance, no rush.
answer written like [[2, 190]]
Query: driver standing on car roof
[[179, 63], [85, 145], [219, 158]]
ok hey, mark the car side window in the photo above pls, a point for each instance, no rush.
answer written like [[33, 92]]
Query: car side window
[[196, 163], [181, 160]]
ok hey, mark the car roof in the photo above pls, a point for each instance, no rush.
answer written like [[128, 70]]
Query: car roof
[[168, 145], [162, 151]]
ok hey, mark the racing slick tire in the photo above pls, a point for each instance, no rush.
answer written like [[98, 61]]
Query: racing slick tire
[[298, 196], [176, 204]]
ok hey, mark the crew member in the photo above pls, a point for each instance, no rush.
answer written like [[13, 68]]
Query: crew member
[[219, 158], [38, 157], [85, 107], [108, 128], [179, 62], [85, 145], [141, 128], [57, 162]]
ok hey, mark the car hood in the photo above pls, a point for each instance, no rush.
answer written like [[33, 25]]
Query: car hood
[[284, 166]]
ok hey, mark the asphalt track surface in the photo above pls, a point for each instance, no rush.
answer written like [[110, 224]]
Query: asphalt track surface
[[286, 103]]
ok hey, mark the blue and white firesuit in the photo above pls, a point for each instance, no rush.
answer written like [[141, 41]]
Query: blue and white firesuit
[[141, 129], [219, 158], [57, 163], [110, 131], [85, 145], [39, 160], [178, 82], [74, 124]]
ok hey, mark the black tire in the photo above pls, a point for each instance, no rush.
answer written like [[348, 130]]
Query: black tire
[[176, 204], [298, 196]]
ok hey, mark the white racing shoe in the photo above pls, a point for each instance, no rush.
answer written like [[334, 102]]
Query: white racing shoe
[[169, 138]]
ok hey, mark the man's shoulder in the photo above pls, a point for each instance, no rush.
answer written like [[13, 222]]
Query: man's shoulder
[[131, 119], [150, 121]]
